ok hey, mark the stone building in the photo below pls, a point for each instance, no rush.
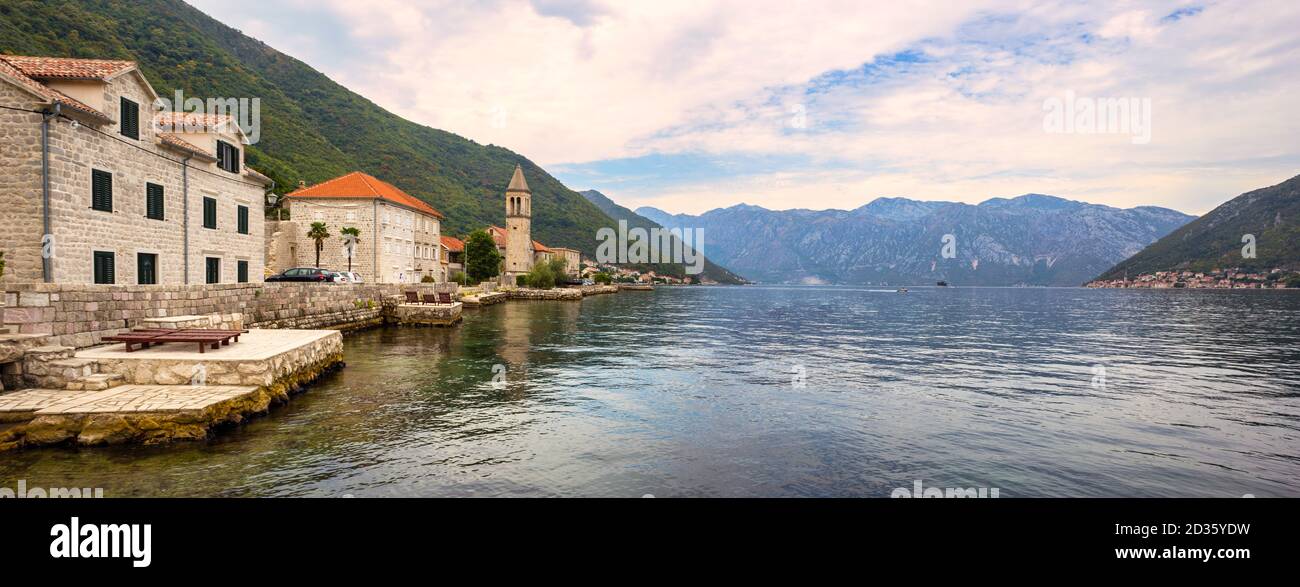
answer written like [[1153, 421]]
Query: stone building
[[572, 259], [453, 256], [91, 194], [400, 236]]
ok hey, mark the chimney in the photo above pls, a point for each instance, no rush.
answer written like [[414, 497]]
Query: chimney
[[301, 184]]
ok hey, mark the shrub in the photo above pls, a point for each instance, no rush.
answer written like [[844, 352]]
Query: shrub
[[426, 279], [521, 280], [541, 277], [460, 277], [602, 278]]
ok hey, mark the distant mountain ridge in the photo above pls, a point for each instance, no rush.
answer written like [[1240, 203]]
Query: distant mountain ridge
[[1034, 239], [1271, 215], [634, 220]]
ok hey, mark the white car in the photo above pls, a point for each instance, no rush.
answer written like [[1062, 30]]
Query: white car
[[351, 277]]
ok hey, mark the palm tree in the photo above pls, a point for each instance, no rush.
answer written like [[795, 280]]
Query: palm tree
[[319, 232], [351, 236]]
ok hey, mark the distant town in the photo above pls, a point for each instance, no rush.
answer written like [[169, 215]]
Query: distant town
[[1214, 279]]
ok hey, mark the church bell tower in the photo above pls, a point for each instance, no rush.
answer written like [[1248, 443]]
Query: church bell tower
[[519, 219]]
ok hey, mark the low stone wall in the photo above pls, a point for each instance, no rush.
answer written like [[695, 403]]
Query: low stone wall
[[545, 294], [484, 299], [593, 290], [81, 315], [427, 315]]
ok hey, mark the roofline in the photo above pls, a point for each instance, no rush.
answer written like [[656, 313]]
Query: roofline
[[362, 197]]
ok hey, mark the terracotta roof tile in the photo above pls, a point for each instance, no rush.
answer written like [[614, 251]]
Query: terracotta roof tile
[[453, 244], [50, 95], [362, 185], [174, 141], [193, 122], [501, 236], [68, 68]]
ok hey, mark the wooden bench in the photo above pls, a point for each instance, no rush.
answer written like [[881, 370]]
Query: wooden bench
[[205, 337]]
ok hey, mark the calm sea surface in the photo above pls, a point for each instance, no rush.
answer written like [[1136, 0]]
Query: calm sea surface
[[772, 391]]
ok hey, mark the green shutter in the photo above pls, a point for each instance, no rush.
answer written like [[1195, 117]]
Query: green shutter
[[214, 270], [104, 270], [129, 117], [243, 271], [243, 220], [153, 204], [101, 190], [209, 213], [227, 157]]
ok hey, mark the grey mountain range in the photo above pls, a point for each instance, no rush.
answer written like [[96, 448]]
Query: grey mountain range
[[1032, 239]]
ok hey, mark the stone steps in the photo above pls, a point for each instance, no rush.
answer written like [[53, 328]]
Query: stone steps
[[96, 382], [55, 367], [49, 353]]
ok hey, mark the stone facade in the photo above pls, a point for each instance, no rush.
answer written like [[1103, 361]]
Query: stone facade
[[400, 239], [572, 260], [77, 230]]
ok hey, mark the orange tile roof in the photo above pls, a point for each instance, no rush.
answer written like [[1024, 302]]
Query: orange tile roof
[[363, 185], [68, 68], [501, 236], [193, 122], [176, 142], [44, 92], [453, 244]]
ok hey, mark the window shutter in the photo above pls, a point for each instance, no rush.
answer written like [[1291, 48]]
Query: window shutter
[[153, 205], [129, 116], [104, 270], [209, 213], [243, 220], [101, 190], [243, 271]]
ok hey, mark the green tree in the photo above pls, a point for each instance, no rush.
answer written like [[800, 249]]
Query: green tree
[[546, 275], [319, 232], [351, 236], [482, 261], [602, 278]]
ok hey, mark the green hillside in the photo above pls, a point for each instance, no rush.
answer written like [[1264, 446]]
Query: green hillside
[[312, 128], [1271, 214]]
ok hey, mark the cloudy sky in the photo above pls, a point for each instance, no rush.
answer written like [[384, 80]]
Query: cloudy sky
[[699, 104]]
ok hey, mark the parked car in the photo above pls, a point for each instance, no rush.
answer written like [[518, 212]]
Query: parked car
[[353, 276], [311, 274]]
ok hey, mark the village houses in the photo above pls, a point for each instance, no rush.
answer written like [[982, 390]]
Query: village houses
[[400, 235], [96, 189]]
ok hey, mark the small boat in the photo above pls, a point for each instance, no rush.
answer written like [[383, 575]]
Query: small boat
[[942, 284], [902, 290]]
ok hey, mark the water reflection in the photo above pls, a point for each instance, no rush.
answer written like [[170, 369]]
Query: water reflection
[[689, 391]]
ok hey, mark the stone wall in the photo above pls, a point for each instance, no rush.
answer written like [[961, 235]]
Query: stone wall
[[546, 294], [20, 185], [80, 315]]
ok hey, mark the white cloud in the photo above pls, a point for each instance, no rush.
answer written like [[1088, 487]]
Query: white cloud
[[591, 80]]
